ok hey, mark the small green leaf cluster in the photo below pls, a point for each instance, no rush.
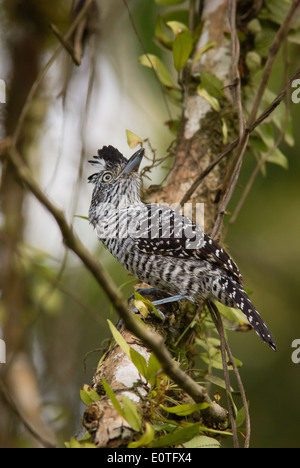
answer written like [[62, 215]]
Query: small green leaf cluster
[[173, 34], [264, 141]]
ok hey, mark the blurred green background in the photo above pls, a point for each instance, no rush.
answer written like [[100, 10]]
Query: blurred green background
[[64, 323]]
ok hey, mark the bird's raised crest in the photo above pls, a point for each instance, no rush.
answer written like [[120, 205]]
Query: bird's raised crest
[[107, 158]]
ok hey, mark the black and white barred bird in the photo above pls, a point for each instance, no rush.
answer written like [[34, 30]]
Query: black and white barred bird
[[160, 246]]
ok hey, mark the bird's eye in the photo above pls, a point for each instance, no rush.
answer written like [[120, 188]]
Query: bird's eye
[[107, 177]]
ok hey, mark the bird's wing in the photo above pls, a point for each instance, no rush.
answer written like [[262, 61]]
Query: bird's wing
[[165, 232]]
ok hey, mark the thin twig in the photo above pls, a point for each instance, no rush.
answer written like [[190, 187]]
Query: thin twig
[[233, 175], [241, 142], [271, 150], [65, 44], [274, 49], [219, 326], [148, 58], [12, 405], [243, 395], [267, 112], [44, 71]]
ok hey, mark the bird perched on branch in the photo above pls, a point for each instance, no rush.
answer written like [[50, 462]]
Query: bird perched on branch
[[160, 246]]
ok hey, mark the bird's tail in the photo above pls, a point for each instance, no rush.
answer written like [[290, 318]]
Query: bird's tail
[[235, 296], [243, 302]]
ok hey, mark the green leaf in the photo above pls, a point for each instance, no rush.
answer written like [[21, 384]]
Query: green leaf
[[150, 60], [240, 417], [235, 411], [169, 2], [88, 395], [277, 157], [217, 381], [201, 441], [113, 398], [253, 60], [146, 438], [179, 436], [212, 345], [212, 84], [235, 316], [139, 297], [131, 413], [85, 442], [185, 410], [73, 443], [177, 27], [132, 139], [139, 361], [276, 10], [119, 338], [182, 48], [216, 361], [266, 133], [210, 99], [154, 366], [141, 307]]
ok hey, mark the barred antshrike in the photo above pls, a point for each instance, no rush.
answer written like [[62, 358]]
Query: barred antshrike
[[160, 246]]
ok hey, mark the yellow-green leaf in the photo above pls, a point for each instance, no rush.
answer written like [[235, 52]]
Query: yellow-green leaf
[[177, 27], [132, 139], [119, 338], [201, 441], [182, 48], [139, 297], [83, 443], [150, 60], [210, 99], [146, 438], [131, 413], [73, 443], [154, 366], [88, 395], [185, 410], [179, 436], [113, 398], [277, 157], [212, 84], [141, 307], [139, 361]]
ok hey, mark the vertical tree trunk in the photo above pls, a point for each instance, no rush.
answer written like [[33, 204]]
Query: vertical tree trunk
[[200, 137]]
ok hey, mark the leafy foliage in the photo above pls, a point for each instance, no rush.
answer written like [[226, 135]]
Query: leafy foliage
[[167, 422]]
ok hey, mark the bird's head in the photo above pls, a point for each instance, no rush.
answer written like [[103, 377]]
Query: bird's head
[[117, 181]]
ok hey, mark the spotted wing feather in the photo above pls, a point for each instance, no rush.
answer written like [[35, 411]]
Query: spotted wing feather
[[169, 233]]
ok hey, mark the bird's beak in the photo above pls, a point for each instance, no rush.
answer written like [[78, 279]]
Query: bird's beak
[[134, 162]]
